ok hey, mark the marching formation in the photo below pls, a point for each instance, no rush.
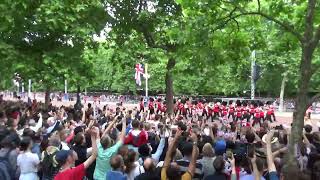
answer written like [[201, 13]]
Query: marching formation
[[245, 112]]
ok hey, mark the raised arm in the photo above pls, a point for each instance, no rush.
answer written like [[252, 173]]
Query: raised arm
[[157, 154], [107, 130], [94, 135], [39, 124], [255, 168], [194, 156], [172, 145], [123, 130], [271, 165]]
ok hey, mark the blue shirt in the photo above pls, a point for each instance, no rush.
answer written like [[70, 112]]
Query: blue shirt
[[115, 175]]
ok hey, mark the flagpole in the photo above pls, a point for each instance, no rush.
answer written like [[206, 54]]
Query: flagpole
[[29, 89], [147, 76]]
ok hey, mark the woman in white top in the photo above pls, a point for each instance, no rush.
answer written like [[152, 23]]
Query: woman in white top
[[27, 161], [133, 168]]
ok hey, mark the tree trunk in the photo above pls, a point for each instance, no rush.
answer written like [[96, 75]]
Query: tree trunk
[[300, 109], [283, 84], [78, 105], [47, 98], [169, 85]]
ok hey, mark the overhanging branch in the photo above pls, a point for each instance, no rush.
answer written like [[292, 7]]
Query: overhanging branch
[[282, 24]]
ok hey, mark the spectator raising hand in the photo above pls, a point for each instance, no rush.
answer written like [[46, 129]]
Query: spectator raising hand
[[271, 166]]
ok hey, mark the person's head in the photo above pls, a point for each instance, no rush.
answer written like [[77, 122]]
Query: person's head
[[187, 149], [135, 124], [25, 143], [149, 165], [89, 105], [78, 129], [62, 132], [66, 157], [173, 172], [250, 137], [10, 141], [54, 140], [116, 162], [28, 132], [129, 160], [105, 141], [308, 128], [316, 137], [147, 126], [51, 121], [145, 150], [79, 139], [218, 164], [207, 150], [123, 151]]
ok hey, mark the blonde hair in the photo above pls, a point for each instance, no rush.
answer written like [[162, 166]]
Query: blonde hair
[[207, 150]]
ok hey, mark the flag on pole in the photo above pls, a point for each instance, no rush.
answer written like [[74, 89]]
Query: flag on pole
[[139, 72]]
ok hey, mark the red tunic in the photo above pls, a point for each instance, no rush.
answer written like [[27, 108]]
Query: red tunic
[[216, 108], [231, 109], [224, 110], [239, 111], [257, 113], [151, 105]]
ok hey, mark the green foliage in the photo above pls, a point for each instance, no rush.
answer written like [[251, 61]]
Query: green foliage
[[50, 37]]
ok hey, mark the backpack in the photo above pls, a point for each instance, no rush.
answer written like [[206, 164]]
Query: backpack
[[49, 166], [6, 170]]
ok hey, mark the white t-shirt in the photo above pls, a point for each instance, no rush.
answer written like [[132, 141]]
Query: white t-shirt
[[136, 171], [28, 162]]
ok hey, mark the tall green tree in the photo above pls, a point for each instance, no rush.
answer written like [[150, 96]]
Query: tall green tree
[[301, 20], [51, 37]]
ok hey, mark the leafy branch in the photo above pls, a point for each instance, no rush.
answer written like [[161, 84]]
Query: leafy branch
[[287, 27]]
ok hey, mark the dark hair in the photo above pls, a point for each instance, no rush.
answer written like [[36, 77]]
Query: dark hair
[[144, 150], [89, 105], [78, 139], [173, 173], [218, 164], [308, 128], [28, 132], [187, 149], [25, 143], [135, 124], [250, 136], [129, 160]]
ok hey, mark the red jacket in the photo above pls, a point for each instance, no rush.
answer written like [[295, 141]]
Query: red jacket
[[138, 140]]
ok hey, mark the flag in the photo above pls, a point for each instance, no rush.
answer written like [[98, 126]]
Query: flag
[[139, 72]]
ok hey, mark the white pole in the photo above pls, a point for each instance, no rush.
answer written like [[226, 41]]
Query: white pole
[[65, 87], [29, 89], [94, 110], [283, 84], [147, 76], [18, 86], [253, 86], [22, 88]]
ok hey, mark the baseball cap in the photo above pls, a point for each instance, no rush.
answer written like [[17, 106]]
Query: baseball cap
[[220, 147], [62, 155]]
